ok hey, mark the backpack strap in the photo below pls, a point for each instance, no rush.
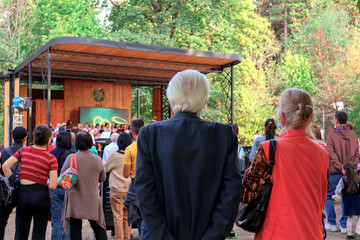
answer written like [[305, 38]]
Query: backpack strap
[[272, 150], [17, 170], [73, 161]]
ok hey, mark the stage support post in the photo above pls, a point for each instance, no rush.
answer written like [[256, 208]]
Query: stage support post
[[232, 94], [29, 126], [165, 105], [48, 86], [10, 110], [6, 111], [226, 80], [16, 94], [138, 101]]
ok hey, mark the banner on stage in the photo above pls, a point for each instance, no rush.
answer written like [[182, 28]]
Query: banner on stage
[[104, 115]]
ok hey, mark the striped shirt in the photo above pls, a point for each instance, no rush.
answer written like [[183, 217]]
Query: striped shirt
[[36, 164]]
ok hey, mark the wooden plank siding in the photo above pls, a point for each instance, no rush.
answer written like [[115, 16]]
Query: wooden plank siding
[[6, 113], [80, 94], [57, 111]]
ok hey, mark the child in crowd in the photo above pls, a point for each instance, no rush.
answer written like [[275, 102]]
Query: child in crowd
[[347, 186]]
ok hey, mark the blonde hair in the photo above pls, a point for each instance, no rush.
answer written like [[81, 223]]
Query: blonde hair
[[188, 91], [298, 109]]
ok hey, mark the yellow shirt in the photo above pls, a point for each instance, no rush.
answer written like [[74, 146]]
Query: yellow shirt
[[130, 158]]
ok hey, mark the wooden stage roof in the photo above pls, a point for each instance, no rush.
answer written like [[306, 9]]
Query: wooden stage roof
[[79, 58]]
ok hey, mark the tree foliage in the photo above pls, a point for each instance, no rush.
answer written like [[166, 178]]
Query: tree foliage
[[16, 20], [146, 100], [354, 115], [225, 26], [326, 41], [58, 18], [321, 36]]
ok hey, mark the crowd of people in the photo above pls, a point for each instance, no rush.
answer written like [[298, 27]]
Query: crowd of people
[[89, 127], [181, 178]]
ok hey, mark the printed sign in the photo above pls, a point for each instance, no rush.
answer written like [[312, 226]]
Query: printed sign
[[104, 115]]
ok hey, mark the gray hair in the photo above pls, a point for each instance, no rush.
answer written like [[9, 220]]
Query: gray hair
[[188, 91], [298, 109], [114, 137]]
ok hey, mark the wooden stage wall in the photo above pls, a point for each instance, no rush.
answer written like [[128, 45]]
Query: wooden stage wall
[[57, 111], [78, 93]]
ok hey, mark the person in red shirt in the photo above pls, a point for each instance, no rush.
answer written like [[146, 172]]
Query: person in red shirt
[[38, 174], [51, 147]]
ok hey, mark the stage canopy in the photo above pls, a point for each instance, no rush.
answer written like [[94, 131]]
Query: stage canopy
[[78, 58], [103, 60]]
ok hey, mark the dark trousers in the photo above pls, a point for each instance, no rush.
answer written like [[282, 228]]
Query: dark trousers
[[33, 203], [4, 216], [144, 234], [76, 226]]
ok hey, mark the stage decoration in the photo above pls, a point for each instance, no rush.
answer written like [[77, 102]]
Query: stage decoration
[[99, 94], [119, 121], [102, 115]]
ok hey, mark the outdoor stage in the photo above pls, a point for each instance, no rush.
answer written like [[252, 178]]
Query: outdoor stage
[[100, 74]]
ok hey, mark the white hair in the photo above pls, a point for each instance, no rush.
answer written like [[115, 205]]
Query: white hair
[[114, 137], [188, 91]]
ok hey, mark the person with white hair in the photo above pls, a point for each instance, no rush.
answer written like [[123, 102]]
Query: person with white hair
[[112, 147], [187, 183]]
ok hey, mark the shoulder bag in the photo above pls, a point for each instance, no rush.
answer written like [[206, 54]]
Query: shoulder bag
[[251, 215], [68, 179], [14, 183], [4, 183]]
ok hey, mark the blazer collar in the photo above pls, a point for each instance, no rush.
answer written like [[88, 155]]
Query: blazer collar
[[180, 115]]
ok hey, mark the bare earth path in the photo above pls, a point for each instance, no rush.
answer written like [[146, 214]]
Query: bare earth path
[[88, 235]]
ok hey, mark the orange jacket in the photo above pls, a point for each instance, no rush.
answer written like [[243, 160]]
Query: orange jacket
[[299, 188]]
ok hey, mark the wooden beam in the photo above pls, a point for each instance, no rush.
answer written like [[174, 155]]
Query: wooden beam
[[6, 113]]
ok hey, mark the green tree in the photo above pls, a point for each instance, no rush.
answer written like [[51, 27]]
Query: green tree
[[284, 16], [146, 100], [297, 72], [354, 115], [205, 25], [17, 18], [58, 18], [27, 24], [328, 41], [225, 26]]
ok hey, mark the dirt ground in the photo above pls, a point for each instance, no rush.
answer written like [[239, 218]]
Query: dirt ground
[[243, 235], [88, 234]]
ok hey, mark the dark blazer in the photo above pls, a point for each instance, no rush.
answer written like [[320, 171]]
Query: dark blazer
[[187, 182]]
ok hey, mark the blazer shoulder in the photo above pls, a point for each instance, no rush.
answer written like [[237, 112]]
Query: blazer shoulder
[[224, 128], [153, 125]]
